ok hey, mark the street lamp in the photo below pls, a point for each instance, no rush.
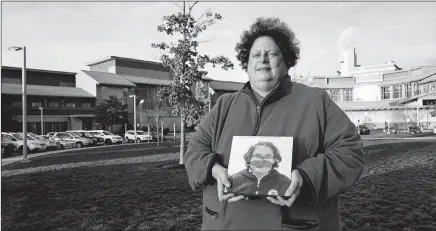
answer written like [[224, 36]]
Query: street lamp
[[42, 120], [24, 103], [134, 112]]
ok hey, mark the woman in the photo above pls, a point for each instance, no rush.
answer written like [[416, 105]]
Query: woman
[[327, 153]]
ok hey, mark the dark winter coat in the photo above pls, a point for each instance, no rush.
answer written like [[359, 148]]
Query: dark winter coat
[[327, 151]]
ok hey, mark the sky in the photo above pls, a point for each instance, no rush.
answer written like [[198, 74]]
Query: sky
[[64, 36]]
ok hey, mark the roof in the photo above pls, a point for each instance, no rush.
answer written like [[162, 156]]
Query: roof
[[365, 104], [147, 80], [410, 99], [226, 85], [105, 59], [430, 78], [38, 70], [109, 78], [422, 76], [16, 89]]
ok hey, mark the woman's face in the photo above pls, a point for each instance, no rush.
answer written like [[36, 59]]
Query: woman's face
[[265, 66]]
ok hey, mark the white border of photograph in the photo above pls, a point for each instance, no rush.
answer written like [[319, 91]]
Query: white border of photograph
[[241, 144]]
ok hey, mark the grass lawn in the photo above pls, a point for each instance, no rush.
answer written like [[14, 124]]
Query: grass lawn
[[148, 197]]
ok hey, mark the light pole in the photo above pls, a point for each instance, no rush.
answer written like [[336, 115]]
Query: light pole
[[42, 120], [134, 112], [24, 103]]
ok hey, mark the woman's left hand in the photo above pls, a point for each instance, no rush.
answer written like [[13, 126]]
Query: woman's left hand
[[293, 190]]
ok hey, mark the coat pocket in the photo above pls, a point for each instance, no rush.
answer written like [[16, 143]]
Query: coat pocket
[[211, 212]]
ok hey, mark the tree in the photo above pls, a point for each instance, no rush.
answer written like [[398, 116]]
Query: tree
[[300, 79], [157, 112], [111, 111], [187, 64]]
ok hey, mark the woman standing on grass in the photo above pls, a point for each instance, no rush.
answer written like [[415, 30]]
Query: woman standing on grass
[[327, 155]]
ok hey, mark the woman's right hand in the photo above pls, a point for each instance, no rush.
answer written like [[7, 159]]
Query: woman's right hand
[[222, 178]]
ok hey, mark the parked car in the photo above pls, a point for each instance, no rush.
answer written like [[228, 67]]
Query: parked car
[[140, 136], [61, 143], [84, 134], [391, 130], [51, 144], [108, 137], [18, 141], [8, 148], [363, 130], [80, 142], [414, 129]]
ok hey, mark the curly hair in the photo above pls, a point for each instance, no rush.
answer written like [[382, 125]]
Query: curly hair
[[249, 154], [276, 29]]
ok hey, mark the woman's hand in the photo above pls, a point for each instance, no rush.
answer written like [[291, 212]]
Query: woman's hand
[[220, 174], [293, 190]]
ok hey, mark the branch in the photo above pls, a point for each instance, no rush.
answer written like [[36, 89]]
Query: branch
[[202, 15], [178, 6], [191, 7], [206, 40]]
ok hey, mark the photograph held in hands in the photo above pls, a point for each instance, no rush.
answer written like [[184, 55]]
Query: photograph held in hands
[[260, 166]]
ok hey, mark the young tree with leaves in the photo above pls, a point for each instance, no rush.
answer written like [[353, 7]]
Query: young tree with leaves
[[111, 111], [187, 64]]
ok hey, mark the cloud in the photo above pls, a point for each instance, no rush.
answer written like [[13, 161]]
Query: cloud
[[348, 36]]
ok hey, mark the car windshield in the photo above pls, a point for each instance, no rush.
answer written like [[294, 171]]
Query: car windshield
[[87, 134], [18, 136], [75, 135], [107, 133], [141, 133]]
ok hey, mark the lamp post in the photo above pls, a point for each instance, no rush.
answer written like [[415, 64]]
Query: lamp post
[[134, 112], [24, 103], [42, 120]]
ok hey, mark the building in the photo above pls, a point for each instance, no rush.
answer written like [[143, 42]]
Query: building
[[63, 105], [122, 77], [382, 93], [217, 88]]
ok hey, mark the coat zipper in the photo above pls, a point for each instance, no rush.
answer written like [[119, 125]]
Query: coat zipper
[[259, 110]]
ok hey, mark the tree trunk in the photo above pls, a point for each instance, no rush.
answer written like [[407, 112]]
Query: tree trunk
[[182, 139]]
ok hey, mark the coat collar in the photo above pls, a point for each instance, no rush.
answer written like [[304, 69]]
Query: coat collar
[[282, 89]]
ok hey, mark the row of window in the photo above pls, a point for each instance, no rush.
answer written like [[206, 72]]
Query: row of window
[[53, 104], [344, 94], [35, 127], [397, 91]]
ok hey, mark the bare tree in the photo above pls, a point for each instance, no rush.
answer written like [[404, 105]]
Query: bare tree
[[157, 112]]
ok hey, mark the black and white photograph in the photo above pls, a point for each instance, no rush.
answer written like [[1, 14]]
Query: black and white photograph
[[218, 115], [260, 166]]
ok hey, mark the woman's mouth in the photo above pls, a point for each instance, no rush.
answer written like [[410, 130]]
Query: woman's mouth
[[264, 69]]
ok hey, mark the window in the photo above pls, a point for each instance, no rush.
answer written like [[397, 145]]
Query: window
[[347, 94], [53, 104], [334, 94], [16, 103], [398, 91], [87, 105], [70, 104], [36, 104], [408, 89], [385, 92]]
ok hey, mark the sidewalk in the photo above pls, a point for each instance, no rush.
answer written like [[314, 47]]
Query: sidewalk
[[399, 138], [14, 159]]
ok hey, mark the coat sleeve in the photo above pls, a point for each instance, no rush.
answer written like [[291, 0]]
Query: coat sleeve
[[341, 163], [199, 158]]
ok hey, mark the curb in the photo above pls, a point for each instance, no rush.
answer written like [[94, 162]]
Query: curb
[[11, 160]]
